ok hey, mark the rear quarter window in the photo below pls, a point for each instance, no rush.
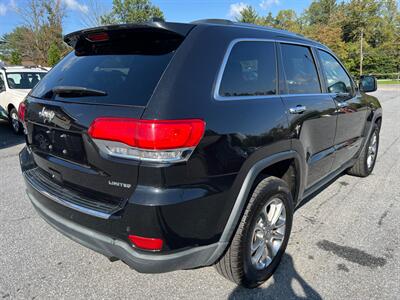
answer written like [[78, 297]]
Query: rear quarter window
[[250, 70]]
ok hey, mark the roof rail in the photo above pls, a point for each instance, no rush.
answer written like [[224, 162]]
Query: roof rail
[[245, 25], [213, 21], [269, 28]]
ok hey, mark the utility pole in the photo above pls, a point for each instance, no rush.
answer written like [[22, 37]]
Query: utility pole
[[361, 50]]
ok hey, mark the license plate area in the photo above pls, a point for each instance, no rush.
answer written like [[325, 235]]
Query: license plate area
[[60, 143]]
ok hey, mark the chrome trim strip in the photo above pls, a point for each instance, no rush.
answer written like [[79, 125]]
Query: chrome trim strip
[[68, 204], [216, 94], [310, 95]]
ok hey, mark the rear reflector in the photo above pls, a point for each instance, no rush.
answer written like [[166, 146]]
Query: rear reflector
[[21, 111], [146, 243], [153, 140]]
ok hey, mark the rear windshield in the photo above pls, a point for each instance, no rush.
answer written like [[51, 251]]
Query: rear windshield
[[127, 79]]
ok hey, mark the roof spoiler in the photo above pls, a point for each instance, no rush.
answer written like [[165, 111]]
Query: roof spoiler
[[180, 29]]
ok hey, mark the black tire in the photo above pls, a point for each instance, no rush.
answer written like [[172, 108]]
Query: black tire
[[13, 123], [236, 263], [361, 168]]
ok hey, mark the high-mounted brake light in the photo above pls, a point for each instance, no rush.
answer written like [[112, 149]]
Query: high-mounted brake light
[[146, 243], [98, 37], [151, 140], [21, 111]]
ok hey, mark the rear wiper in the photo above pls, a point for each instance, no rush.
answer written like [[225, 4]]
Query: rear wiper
[[73, 91]]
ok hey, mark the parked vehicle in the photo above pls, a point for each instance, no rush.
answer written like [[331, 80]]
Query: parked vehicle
[[175, 146], [15, 84]]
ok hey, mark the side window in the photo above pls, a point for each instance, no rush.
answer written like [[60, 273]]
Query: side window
[[337, 80], [250, 70], [300, 71]]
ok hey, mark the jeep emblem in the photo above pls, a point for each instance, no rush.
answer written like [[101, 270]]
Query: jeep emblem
[[47, 115]]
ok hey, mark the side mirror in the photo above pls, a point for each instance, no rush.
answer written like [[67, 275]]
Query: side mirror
[[368, 83]]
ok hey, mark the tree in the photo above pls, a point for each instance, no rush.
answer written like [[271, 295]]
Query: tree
[[16, 58], [248, 15], [287, 19], [320, 11], [269, 20], [42, 28], [131, 11], [54, 55], [17, 41], [361, 15], [329, 35]]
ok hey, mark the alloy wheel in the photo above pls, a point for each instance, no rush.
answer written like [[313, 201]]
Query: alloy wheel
[[14, 121], [372, 149], [268, 233]]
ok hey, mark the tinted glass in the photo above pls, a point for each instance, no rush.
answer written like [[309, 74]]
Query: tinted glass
[[127, 79], [301, 73], [23, 80], [336, 77], [250, 70]]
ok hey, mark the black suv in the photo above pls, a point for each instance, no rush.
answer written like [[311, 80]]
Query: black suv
[[175, 146]]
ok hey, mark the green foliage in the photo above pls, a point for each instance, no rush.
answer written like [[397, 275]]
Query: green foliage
[[131, 11], [320, 11], [287, 19], [54, 55], [41, 29], [248, 15], [340, 25], [16, 58]]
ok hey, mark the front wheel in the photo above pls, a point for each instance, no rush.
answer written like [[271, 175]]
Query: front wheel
[[262, 235], [14, 121], [366, 161]]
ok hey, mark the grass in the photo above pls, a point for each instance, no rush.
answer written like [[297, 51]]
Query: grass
[[386, 81]]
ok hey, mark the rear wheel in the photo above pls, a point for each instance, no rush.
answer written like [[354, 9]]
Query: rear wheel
[[14, 121], [262, 235], [366, 161]]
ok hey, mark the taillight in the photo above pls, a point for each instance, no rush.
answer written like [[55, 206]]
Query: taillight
[[98, 37], [145, 243], [21, 111], [151, 140]]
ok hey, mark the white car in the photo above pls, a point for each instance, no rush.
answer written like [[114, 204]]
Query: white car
[[15, 84]]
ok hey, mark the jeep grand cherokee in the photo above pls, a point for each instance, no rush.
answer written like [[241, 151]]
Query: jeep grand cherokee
[[176, 146]]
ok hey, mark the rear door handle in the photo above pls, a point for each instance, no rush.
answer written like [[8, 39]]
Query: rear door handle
[[298, 109]]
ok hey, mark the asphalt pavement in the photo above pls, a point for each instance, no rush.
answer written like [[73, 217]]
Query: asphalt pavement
[[345, 242]]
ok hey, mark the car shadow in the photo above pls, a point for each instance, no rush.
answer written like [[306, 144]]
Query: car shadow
[[7, 136], [282, 287]]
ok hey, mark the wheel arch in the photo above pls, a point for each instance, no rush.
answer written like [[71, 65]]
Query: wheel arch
[[375, 117], [10, 106], [259, 170]]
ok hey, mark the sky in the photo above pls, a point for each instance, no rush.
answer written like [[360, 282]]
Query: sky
[[174, 10]]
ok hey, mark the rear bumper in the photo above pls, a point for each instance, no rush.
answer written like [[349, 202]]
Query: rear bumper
[[114, 248]]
